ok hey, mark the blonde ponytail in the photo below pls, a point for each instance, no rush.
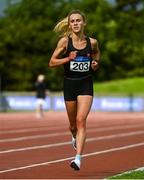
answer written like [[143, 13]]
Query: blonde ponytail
[[62, 27]]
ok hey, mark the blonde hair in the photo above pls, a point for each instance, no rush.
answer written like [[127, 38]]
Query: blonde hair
[[40, 77], [62, 27]]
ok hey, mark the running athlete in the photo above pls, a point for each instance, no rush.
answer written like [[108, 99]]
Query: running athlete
[[40, 86], [80, 56]]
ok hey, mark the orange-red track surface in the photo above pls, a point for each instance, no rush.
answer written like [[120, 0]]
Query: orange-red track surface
[[33, 148]]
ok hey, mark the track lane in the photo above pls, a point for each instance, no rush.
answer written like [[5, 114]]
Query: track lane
[[50, 151], [37, 164], [107, 162]]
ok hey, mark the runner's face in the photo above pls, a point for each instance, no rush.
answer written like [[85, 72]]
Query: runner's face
[[76, 23]]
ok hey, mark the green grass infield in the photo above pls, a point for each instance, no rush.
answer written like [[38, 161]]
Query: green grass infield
[[123, 86], [133, 174]]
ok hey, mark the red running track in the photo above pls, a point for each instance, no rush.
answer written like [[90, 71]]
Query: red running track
[[31, 148]]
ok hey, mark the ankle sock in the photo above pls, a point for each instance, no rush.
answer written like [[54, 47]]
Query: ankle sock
[[78, 156]]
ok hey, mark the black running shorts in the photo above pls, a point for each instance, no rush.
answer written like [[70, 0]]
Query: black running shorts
[[76, 87]]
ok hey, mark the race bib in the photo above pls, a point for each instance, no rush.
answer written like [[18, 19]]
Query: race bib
[[80, 64]]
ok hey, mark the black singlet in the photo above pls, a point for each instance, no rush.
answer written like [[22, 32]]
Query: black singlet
[[80, 67], [40, 90]]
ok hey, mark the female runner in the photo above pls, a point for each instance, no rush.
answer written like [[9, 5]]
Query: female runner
[[80, 56]]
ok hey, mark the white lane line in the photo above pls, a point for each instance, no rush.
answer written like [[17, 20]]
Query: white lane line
[[34, 137], [67, 133], [140, 169], [31, 130], [55, 128], [68, 142], [70, 158]]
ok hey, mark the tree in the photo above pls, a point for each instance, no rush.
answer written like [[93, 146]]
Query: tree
[[28, 40]]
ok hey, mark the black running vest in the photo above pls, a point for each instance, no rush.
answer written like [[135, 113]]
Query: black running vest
[[80, 67]]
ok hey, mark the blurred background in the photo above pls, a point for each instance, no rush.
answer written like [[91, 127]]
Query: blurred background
[[27, 41]]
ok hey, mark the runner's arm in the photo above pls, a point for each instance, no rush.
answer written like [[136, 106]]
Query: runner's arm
[[56, 59]]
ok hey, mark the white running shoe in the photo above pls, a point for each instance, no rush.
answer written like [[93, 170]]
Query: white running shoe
[[74, 142], [75, 164]]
